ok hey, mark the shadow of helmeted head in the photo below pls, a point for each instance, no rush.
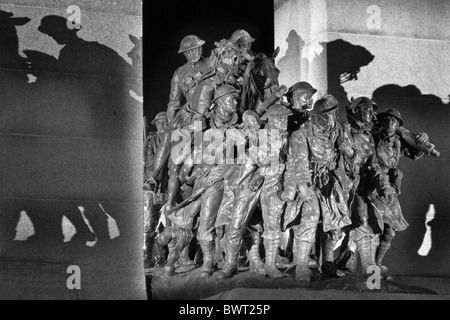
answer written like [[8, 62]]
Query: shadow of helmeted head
[[345, 59], [295, 42], [59, 28]]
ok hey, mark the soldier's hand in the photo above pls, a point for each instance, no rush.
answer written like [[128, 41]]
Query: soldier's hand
[[422, 138], [305, 192], [344, 146], [288, 194], [388, 195]]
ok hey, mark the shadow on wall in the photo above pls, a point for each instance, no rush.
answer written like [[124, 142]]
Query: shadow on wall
[[291, 62], [85, 93], [425, 181], [343, 60]]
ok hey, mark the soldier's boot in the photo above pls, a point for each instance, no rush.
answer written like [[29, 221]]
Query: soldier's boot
[[209, 264], [301, 256], [185, 236], [364, 247], [328, 250], [231, 260], [352, 261], [169, 267], [148, 251], [256, 263], [381, 252], [271, 248], [385, 244], [159, 254], [328, 265], [219, 244], [375, 242], [281, 260]]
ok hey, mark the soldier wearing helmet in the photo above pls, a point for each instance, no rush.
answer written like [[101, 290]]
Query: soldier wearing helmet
[[315, 183], [243, 40], [273, 171], [187, 77], [224, 59], [358, 165], [154, 254], [183, 86], [300, 99], [389, 148]]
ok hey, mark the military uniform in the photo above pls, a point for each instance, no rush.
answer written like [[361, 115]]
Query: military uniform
[[316, 174], [389, 213], [184, 81], [153, 199]]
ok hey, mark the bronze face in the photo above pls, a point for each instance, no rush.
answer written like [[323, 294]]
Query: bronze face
[[194, 55], [389, 125], [365, 113], [303, 100]]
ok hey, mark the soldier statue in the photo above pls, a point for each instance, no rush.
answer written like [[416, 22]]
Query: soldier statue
[[187, 76], [273, 170], [361, 165], [154, 193], [389, 148], [314, 182], [300, 99]]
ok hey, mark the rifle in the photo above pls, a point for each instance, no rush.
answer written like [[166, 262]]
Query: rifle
[[271, 100], [410, 138]]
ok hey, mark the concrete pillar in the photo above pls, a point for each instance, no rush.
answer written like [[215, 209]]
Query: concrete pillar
[[395, 52], [71, 152]]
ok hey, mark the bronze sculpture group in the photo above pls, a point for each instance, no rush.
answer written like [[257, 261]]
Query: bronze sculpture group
[[330, 179]]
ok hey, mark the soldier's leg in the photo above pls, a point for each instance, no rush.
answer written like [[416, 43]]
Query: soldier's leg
[[235, 234], [186, 238], [329, 242], [362, 234], [149, 235], [174, 185], [347, 257], [272, 209], [174, 253], [304, 237], [210, 203], [385, 244]]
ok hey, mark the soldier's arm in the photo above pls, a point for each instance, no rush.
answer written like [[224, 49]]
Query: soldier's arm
[[346, 144], [174, 97], [201, 99], [411, 152], [150, 156], [297, 176]]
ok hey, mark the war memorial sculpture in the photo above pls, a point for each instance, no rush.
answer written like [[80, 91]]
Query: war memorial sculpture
[[239, 159]]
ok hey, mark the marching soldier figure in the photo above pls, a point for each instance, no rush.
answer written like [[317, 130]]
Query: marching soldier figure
[[154, 190], [187, 76], [389, 148], [314, 182]]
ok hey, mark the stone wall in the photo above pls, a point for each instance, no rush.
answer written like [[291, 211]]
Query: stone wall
[[395, 52], [71, 151]]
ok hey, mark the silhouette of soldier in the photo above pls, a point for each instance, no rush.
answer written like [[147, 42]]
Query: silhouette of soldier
[[81, 56], [9, 41]]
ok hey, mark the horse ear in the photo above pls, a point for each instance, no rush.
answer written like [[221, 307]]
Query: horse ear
[[134, 39], [275, 53]]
